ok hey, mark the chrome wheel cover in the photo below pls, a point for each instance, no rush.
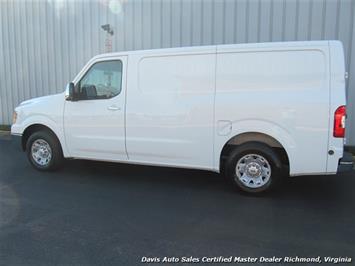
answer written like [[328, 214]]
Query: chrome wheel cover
[[253, 170], [41, 152]]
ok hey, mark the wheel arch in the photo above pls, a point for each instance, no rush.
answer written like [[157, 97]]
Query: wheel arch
[[35, 128], [254, 136]]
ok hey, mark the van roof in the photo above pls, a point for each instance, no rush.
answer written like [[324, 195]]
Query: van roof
[[211, 47]]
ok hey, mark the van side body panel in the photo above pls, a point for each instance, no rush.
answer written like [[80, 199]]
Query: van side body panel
[[279, 91], [169, 108]]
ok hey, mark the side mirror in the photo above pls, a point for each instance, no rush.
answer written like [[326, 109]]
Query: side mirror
[[70, 94]]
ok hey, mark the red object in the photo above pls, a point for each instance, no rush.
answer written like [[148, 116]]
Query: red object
[[339, 122]]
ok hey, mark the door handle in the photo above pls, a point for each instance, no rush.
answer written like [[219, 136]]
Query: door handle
[[113, 108]]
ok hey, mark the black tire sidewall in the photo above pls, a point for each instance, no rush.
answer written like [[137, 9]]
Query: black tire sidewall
[[54, 145], [262, 150]]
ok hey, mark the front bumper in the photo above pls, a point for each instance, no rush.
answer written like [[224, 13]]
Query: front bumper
[[346, 163]]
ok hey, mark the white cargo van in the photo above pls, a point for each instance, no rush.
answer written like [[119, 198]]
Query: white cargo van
[[250, 111]]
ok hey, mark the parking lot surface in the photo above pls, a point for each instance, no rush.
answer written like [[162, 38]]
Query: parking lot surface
[[95, 213]]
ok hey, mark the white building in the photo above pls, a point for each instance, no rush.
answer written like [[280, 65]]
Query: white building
[[43, 44]]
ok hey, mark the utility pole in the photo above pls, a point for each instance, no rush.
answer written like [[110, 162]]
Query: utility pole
[[108, 40]]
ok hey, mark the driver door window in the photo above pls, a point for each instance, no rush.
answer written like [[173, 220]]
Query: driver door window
[[102, 81]]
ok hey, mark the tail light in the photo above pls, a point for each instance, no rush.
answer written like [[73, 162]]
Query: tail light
[[339, 122]]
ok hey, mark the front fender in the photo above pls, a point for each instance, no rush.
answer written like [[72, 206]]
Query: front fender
[[56, 126]]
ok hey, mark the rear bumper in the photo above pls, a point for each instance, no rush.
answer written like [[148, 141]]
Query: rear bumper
[[346, 163]]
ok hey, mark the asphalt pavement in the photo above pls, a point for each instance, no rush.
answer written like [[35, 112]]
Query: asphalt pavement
[[96, 213]]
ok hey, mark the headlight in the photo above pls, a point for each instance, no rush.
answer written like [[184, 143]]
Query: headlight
[[14, 117]]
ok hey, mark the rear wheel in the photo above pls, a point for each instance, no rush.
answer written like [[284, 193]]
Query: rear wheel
[[253, 167], [44, 151]]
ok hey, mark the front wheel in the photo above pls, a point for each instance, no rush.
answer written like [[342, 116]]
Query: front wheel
[[253, 167], [44, 151]]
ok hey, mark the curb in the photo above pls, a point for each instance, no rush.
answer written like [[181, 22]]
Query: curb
[[4, 133]]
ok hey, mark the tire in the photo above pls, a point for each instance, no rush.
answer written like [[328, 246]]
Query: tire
[[253, 167], [44, 151]]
